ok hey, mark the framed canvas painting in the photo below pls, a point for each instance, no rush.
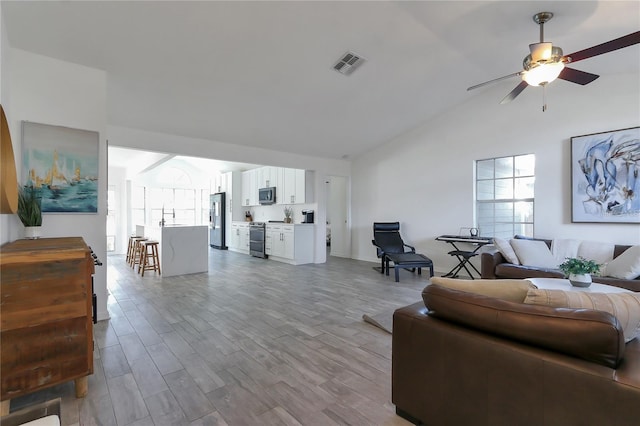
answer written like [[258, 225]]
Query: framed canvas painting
[[605, 181], [63, 164]]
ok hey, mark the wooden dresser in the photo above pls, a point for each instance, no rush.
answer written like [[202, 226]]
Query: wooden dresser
[[45, 316]]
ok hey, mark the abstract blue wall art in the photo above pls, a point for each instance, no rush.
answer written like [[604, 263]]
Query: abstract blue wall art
[[605, 181], [63, 164]]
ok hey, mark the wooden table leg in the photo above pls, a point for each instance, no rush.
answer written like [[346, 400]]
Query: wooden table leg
[[4, 408], [82, 386]]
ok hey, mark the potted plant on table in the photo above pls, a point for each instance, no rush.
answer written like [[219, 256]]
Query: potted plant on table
[[579, 270], [288, 213], [30, 210]]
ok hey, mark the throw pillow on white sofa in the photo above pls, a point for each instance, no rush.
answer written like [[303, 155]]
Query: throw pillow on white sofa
[[534, 253], [563, 248], [504, 247], [625, 266], [597, 251]]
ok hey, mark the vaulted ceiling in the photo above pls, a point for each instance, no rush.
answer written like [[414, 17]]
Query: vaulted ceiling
[[260, 73]]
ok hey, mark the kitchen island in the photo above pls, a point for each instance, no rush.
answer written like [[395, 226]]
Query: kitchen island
[[184, 249]]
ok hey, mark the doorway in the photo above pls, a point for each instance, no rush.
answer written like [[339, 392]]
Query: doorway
[[338, 235]]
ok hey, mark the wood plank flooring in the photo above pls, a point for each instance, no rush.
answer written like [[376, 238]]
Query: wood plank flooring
[[252, 342]]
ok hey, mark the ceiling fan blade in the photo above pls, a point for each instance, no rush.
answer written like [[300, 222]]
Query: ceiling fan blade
[[515, 92], [577, 76], [494, 80], [609, 46]]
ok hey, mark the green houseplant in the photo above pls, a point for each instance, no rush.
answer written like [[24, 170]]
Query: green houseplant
[[579, 270], [30, 210]]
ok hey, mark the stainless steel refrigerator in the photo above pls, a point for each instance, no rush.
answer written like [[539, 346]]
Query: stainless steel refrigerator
[[217, 221]]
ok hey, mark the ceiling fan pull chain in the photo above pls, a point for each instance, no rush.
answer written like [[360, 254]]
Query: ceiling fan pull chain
[[544, 97]]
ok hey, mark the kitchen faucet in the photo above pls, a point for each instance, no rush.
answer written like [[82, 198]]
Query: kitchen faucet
[[173, 215]]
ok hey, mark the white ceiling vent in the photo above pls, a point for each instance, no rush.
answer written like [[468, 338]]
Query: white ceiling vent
[[348, 63]]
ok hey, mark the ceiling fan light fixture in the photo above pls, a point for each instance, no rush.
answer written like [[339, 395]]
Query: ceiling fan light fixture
[[543, 74], [541, 51]]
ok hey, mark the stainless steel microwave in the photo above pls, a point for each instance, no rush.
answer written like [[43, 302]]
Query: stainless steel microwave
[[267, 195]]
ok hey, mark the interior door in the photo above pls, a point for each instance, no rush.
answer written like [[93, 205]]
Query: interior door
[[338, 216]]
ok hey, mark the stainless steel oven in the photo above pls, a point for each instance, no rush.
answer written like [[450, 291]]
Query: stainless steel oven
[[257, 239]]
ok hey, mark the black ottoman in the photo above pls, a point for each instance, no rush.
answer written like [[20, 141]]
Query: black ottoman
[[408, 261]]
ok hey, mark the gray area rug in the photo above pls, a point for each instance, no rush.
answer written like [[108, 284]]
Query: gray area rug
[[383, 320]]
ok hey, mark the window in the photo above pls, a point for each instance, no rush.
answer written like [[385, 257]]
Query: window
[[137, 207], [174, 205], [504, 196], [204, 201]]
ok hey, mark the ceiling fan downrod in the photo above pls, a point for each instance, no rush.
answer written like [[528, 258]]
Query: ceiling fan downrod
[[540, 19]]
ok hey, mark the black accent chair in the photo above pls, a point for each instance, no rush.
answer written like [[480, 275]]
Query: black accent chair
[[391, 248]]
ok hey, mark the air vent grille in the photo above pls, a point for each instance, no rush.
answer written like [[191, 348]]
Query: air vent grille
[[348, 63]]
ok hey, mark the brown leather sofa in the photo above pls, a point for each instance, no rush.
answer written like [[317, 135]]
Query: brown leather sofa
[[494, 266], [476, 360]]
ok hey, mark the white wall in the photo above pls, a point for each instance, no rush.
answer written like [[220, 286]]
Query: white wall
[[49, 91], [118, 179], [182, 145], [9, 223], [425, 179]]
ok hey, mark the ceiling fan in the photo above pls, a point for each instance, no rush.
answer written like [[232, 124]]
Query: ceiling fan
[[546, 62]]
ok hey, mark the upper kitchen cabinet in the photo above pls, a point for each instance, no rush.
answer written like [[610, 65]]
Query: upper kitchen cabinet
[[249, 188], [221, 183], [268, 176], [294, 187]]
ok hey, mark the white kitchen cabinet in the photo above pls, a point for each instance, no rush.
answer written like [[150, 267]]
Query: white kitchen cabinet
[[272, 240], [292, 244], [222, 183], [217, 185], [249, 188], [244, 238], [288, 242], [268, 176], [239, 237], [294, 186], [227, 188], [233, 238], [279, 241]]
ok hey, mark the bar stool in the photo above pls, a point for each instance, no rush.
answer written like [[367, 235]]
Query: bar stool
[[150, 260], [136, 257], [131, 247]]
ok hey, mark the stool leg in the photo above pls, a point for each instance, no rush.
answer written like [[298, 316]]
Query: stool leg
[[143, 261], [128, 250], [156, 258], [397, 270], [134, 250], [137, 260]]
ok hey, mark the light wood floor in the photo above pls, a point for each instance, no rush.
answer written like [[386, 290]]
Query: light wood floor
[[253, 342]]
